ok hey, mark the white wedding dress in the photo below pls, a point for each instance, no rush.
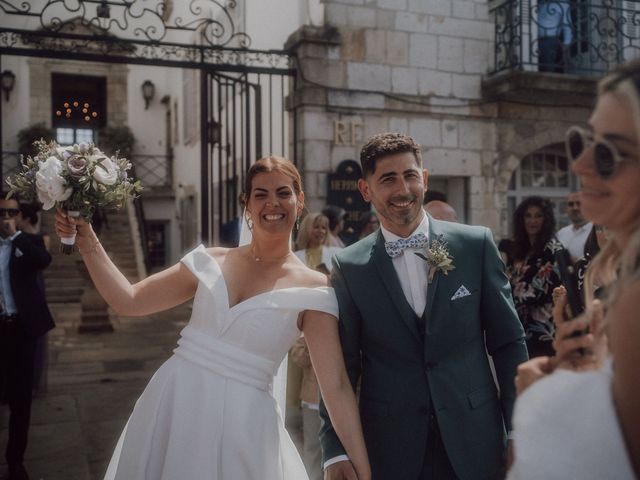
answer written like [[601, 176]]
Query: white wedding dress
[[565, 427], [209, 413]]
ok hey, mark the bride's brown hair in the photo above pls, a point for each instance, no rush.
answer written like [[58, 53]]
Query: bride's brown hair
[[267, 165]]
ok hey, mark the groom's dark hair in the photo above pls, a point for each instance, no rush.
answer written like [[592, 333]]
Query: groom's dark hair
[[385, 144]]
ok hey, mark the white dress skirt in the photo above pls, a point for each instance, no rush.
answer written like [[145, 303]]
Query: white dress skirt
[[209, 413]]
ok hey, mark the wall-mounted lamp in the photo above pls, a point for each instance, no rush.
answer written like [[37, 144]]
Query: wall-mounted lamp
[[102, 10], [7, 82], [148, 91]]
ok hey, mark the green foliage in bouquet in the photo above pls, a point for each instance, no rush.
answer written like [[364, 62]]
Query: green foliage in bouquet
[[75, 178]]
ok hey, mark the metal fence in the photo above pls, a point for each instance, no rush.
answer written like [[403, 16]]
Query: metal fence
[[575, 37], [153, 171]]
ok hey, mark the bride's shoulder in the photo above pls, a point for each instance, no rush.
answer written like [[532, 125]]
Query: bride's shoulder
[[219, 253], [306, 277]]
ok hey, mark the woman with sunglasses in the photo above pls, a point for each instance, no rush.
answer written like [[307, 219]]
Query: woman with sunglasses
[[577, 415]]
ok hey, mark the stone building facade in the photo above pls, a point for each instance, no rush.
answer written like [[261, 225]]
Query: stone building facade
[[423, 67]]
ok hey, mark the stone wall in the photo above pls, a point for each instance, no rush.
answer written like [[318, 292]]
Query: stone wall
[[418, 67]]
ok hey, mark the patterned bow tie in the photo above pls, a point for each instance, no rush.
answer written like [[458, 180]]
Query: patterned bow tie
[[397, 247]]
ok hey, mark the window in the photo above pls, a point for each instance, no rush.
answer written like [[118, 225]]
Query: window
[[545, 173], [157, 242], [78, 107]]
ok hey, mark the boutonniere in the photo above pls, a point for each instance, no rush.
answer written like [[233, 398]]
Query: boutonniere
[[437, 257]]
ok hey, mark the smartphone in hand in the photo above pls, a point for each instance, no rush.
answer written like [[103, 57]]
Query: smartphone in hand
[[569, 278]]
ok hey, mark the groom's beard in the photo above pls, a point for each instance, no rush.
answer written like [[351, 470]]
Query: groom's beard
[[402, 216]]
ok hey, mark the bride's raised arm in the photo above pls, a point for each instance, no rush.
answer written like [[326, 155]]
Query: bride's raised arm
[[321, 332], [158, 292]]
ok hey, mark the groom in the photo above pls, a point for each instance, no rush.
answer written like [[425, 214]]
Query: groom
[[416, 334]]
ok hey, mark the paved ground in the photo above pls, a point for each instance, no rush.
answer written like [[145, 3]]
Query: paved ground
[[94, 381]]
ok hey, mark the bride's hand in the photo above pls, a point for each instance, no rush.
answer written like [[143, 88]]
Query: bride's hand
[[68, 226]]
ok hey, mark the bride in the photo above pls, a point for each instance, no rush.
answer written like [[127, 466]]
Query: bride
[[208, 412]]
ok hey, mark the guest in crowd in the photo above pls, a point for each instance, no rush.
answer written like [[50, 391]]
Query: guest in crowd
[[313, 243], [441, 210], [573, 236], [309, 401], [533, 272], [369, 223], [582, 420], [336, 216], [24, 317], [505, 247], [431, 195], [27, 222]]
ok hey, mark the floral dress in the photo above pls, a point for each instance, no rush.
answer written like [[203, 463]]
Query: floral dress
[[532, 282]]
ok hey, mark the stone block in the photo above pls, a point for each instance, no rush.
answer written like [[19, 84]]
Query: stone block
[[393, 4], [373, 124], [412, 22], [404, 80], [426, 131], [464, 9], [482, 11], [375, 42], [353, 45], [431, 7], [476, 56], [450, 53], [433, 82], [399, 124], [423, 50], [355, 100], [335, 14], [454, 162], [316, 155], [466, 86], [386, 19], [397, 48], [361, 17], [316, 126], [450, 133], [475, 135], [325, 72], [364, 76], [310, 184], [463, 28]]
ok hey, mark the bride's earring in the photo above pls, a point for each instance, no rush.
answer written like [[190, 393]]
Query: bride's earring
[[247, 218], [298, 223]]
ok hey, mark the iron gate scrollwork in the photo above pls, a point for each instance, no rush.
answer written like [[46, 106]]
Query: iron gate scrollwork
[[242, 90]]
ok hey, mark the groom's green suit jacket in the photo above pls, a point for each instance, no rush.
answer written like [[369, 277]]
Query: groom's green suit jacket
[[404, 377]]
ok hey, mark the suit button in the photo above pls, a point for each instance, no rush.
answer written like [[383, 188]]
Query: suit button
[[423, 411]]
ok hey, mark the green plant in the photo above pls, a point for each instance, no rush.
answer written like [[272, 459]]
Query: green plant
[[112, 139], [32, 133]]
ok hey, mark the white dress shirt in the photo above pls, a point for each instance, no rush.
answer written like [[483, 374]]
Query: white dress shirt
[[413, 273], [8, 305], [573, 239]]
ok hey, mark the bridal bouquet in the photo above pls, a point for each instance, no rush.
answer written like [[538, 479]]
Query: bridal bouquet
[[78, 179]]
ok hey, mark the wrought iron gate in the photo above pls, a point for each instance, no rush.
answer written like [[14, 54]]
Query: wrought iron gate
[[242, 90]]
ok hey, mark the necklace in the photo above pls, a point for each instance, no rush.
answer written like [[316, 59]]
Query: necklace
[[257, 258]]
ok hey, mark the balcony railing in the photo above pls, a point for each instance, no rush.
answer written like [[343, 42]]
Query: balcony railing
[[574, 37]]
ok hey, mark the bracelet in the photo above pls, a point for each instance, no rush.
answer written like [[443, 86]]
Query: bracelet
[[92, 249]]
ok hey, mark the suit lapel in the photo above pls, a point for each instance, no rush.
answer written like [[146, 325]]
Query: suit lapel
[[434, 232], [389, 277]]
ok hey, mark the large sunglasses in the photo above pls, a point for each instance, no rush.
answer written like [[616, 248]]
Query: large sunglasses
[[12, 212], [606, 156]]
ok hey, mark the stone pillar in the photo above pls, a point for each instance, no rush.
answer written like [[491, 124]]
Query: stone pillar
[[94, 316]]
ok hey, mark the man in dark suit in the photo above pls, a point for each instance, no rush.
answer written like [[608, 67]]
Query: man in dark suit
[[24, 317], [421, 303]]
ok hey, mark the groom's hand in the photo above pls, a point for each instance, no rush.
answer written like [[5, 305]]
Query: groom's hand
[[340, 471]]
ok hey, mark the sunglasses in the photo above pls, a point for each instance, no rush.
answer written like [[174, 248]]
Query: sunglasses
[[12, 212], [606, 156]]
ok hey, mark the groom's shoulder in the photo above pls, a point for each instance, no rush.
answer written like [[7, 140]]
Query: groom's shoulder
[[357, 252]]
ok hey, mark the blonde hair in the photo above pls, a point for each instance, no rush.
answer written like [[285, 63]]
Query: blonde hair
[[624, 83], [308, 222]]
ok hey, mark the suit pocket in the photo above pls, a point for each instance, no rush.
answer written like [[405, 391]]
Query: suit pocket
[[374, 408], [481, 396]]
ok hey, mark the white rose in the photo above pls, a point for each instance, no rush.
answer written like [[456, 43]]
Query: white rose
[[107, 175], [50, 184]]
